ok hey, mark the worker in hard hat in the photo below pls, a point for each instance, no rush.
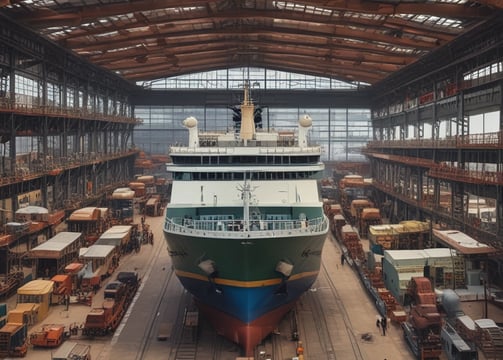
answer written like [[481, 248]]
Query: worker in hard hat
[[300, 348]]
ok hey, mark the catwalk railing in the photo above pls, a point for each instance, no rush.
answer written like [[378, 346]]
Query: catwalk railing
[[56, 166], [445, 171], [7, 105], [466, 176], [479, 141], [484, 232]]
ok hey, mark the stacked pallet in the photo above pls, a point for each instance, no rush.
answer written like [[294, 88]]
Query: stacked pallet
[[398, 315], [375, 278], [413, 234], [489, 338], [459, 272], [338, 222], [351, 241], [357, 207], [465, 327], [331, 208], [393, 309], [409, 234], [383, 235], [368, 217], [389, 300]]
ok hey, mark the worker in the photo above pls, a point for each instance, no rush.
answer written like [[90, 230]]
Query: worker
[[384, 325], [300, 348]]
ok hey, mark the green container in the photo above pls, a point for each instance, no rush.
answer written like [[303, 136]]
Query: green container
[[3, 309]]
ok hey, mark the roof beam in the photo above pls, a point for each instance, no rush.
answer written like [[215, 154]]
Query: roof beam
[[318, 64], [110, 59], [492, 3], [120, 41], [76, 15], [199, 18], [441, 9], [358, 40], [175, 46]]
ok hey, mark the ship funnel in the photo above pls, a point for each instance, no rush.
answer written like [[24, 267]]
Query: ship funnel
[[247, 116], [191, 124], [305, 124]]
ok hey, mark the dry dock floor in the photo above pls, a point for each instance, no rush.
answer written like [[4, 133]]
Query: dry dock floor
[[358, 307]]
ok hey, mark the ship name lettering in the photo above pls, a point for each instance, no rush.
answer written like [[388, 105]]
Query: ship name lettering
[[308, 252], [174, 253]]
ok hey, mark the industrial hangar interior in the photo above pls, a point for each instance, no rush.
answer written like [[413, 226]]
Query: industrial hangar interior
[[76, 76]]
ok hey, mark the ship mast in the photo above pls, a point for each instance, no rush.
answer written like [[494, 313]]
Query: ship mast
[[247, 131], [246, 195]]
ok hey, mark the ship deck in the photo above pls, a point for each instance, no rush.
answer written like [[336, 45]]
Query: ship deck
[[235, 227]]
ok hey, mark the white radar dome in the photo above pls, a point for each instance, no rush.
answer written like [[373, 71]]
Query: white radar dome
[[190, 122], [305, 121]]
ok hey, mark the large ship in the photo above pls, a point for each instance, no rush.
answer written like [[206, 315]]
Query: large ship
[[245, 225]]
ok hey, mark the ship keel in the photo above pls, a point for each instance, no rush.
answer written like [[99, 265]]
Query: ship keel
[[247, 335]]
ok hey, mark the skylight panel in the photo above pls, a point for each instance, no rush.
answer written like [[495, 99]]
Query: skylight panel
[[318, 11], [460, 2], [432, 20], [296, 23], [59, 31], [184, 9], [125, 48], [107, 34], [402, 50], [396, 49], [364, 16], [309, 9]]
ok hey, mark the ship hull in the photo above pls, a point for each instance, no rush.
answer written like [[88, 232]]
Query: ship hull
[[246, 297], [247, 335]]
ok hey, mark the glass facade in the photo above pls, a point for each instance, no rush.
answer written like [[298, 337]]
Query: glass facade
[[342, 132], [258, 77]]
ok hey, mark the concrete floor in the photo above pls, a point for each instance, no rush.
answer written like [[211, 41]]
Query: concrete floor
[[360, 310]]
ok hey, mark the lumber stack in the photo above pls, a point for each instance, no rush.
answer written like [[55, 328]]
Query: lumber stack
[[489, 338]]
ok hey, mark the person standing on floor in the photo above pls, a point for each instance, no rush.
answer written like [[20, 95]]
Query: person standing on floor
[[342, 259], [300, 349], [383, 325], [378, 324]]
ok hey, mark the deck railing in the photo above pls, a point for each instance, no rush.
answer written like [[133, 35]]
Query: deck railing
[[272, 149], [235, 228]]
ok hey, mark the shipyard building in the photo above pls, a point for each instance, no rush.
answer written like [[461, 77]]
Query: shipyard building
[[407, 96]]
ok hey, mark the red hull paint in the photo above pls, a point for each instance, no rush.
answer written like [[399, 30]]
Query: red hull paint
[[246, 335]]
